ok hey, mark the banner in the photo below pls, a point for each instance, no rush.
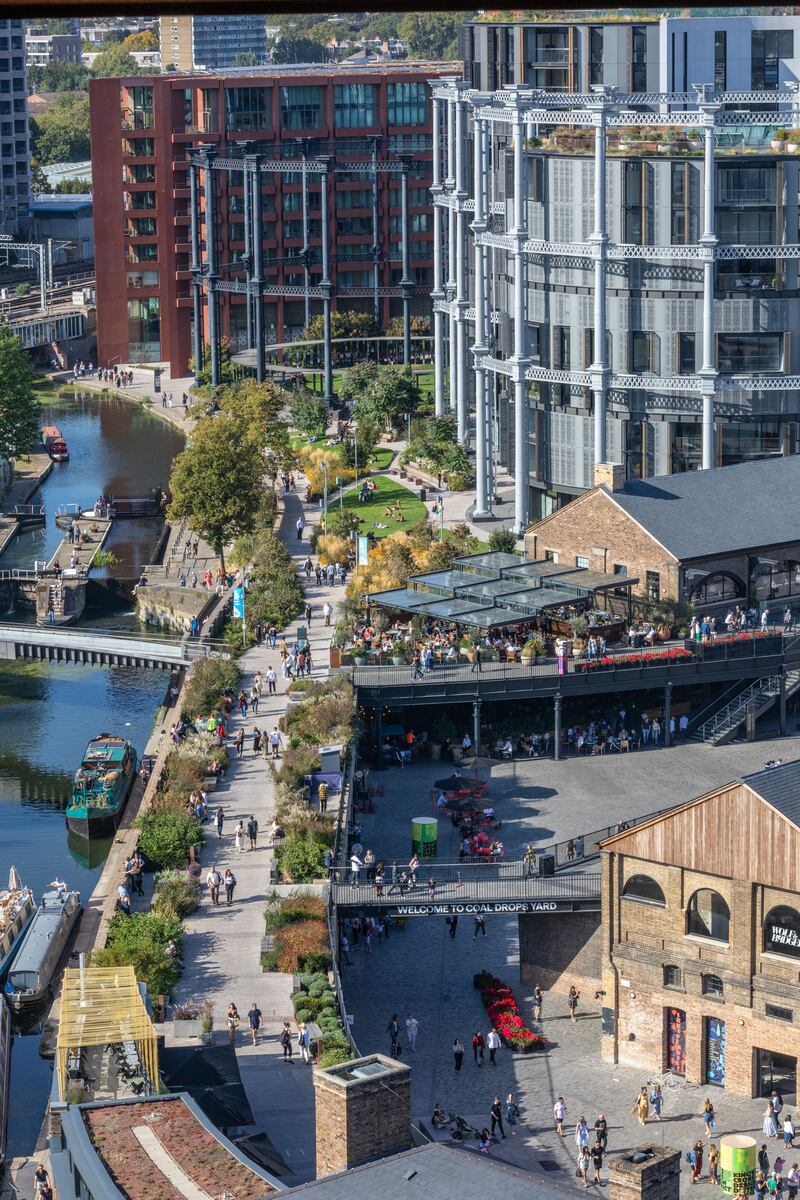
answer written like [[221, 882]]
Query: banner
[[363, 550], [238, 602]]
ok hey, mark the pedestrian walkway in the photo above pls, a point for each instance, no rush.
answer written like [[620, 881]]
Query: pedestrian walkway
[[222, 945]]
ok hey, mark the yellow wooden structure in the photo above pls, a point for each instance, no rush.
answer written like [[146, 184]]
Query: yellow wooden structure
[[102, 1005]]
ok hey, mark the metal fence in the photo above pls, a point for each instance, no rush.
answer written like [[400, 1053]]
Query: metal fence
[[465, 882]]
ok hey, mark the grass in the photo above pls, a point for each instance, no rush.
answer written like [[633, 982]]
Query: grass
[[380, 457], [387, 492]]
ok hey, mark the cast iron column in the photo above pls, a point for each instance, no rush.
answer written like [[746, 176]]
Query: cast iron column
[[376, 246], [708, 241], [248, 249], [557, 725], [325, 284], [599, 239], [254, 163], [437, 295], [451, 249], [211, 258], [462, 392], [476, 726], [405, 281], [520, 359], [667, 712], [197, 270], [480, 348]]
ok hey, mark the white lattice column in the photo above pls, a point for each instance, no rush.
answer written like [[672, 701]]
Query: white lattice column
[[437, 295], [480, 347], [708, 240], [450, 184], [599, 369], [461, 304], [519, 358]]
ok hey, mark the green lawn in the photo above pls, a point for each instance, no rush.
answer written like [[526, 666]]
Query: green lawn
[[387, 491], [380, 457]]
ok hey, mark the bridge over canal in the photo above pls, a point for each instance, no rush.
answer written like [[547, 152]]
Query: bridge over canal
[[102, 647]]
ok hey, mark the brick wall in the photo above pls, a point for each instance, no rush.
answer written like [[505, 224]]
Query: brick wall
[[657, 1178], [559, 950], [358, 1120], [595, 527]]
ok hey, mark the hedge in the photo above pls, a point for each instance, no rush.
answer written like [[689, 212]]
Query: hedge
[[165, 838], [140, 941], [208, 678]]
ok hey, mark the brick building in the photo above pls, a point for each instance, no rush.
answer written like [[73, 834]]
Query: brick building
[[701, 938], [141, 131], [709, 538]]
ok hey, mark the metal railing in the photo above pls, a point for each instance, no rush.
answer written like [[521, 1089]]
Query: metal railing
[[464, 881]]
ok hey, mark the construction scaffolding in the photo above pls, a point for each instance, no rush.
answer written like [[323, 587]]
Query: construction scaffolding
[[103, 1007]]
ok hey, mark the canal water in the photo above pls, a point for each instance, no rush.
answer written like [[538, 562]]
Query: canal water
[[48, 711]]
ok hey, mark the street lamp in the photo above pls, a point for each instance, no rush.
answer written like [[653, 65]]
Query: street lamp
[[324, 466], [341, 493]]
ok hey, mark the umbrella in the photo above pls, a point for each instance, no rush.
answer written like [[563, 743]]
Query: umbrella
[[483, 764], [14, 882], [453, 783]]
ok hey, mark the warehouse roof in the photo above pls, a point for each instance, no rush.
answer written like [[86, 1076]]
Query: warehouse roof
[[780, 787]]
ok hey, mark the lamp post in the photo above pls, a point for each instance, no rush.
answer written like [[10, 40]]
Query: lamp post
[[324, 466], [341, 493], [408, 429]]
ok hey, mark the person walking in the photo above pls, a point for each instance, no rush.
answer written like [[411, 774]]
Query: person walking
[[793, 1180], [256, 740], [304, 1042], [572, 1002], [597, 1161], [412, 1027], [254, 1021], [286, 1042], [657, 1101], [496, 1113], [478, 1046], [479, 926], [232, 1021], [584, 1161], [559, 1113], [213, 880], [707, 1113], [538, 997], [252, 831], [272, 680], [581, 1133], [713, 1163], [493, 1044], [239, 743], [641, 1106], [452, 925], [230, 883], [219, 820], [393, 1029], [512, 1113], [601, 1130], [770, 1125], [696, 1160], [275, 742], [458, 1053], [788, 1132], [238, 837]]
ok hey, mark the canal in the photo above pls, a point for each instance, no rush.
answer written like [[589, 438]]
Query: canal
[[48, 711]]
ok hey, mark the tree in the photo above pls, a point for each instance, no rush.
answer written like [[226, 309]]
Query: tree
[[504, 540], [308, 413], [73, 187], [260, 406], [225, 364], [141, 42], [19, 421], [115, 61], [386, 394], [59, 25], [248, 59], [431, 34], [59, 77], [61, 133], [217, 481], [299, 50]]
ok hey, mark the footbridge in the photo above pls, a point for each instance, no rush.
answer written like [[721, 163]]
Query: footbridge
[[467, 890], [102, 647]]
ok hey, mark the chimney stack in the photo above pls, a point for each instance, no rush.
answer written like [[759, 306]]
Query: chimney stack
[[611, 474], [645, 1173], [363, 1111]]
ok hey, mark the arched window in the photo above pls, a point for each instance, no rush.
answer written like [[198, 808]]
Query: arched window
[[782, 932], [708, 916], [716, 588], [713, 985], [642, 887], [772, 580]]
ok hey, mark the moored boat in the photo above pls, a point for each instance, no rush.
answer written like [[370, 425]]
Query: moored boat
[[54, 444], [42, 947], [101, 786], [16, 909]]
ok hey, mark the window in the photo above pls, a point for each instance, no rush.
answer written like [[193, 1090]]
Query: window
[[639, 58], [551, 556], [718, 587], [141, 173], [144, 329], [782, 932], [712, 985], [780, 1014], [685, 207], [595, 56], [708, 916], [141, 227], [744, 353], [133, 200], [643, 888], [142, 254], [354, 105], [772, 580], [301, 107], [642, 352], [209, 111], [653, 585], [620, 569], [140, 279], [686, 353], [745, 185], [767, 48], [720, 60], [246, 108], [753, 226], [672, 977], [581, 560], [407, 103]]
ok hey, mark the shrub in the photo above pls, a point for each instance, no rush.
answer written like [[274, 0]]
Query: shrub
[[208, 678], [165, 838], [176, 893], [504, 540], [293, 909], [332, 1056], [140, 941], [295, 943], [301, 858]]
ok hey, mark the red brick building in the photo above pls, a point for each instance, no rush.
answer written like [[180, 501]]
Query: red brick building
[[141, 130]]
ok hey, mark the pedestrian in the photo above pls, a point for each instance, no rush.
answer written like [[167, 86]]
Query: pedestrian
[[707, 1113], [256, 740], [327, 612], [493, 1044], [393, 1029], [124, 900], [657, 1101], [761, 1186], [238, 837], [137, 874], [308, 613], [412, 1025], [239, 743], [601, 1130], [478, 1046], [559, 1113], [272, 680], [641, 1106], [254, 1021], [458, 1053], [476, 659], [788, 1131], [572, 1001], [696, 1160], [219, 821], [713, 1163], [538, 996], [452, 925], [252, 831], [213, 880], [323, 792], [275, 742], [581, 1133], [770, 1126], [300, 526], [584, 1159], [413, 867], [286, 1042], [512, 1113], [254, 696], [479, 926], [484, 1141], [232, 1020], [793, 1180], [496, 1113], [230, 883], [356, 864], [597, 1161], [763, 1159], [304, 1042]]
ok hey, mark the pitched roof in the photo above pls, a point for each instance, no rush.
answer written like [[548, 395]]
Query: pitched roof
[[697, 513], [780, 787]]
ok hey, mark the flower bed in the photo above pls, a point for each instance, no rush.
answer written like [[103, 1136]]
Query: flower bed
[[501, 1005], [647, 658]]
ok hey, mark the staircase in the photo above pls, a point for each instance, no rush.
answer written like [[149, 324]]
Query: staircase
[[56, 598], [759, 696]]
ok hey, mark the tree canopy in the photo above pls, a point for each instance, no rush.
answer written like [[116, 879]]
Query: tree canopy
[[61, 133], [299, 50], [431, 34], [217, 481], [19, 420], [146, 40], [308, 413], [116, 60], [387, 394], [59, 77], [260, 407]]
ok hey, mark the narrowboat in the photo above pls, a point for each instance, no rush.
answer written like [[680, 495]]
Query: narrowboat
[[16, 909], [54, 443], [34, 967], [101, 786], [5, 1075]]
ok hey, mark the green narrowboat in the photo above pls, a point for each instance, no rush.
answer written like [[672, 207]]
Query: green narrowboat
[[101, 786]]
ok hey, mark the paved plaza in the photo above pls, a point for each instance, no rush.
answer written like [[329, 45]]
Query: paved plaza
[[420, 969]]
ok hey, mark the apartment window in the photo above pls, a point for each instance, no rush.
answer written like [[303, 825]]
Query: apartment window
[[139, 200], [354, 226], [672, 977], [141, 173], [301, 107], [595, 56], [644, 889], [745, 353], [144, 329], [745, 185], [354, 105], [561, 347], [653, 585], [708, 916], [720, 60], [142, 226], [685, 206], [140, 279], [767, 48], [354, 198], [148, 252], [638, 58], [407, 103], [581, 560], [686, 353], [638, 214], [641, 352], [138, 147], [712, 985], [246, 109]]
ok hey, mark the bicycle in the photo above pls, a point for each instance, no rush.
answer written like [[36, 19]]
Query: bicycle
[[667, 1079]]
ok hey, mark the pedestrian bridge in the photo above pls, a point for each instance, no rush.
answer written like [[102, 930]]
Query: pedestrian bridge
[[469, 890], [102, 647]]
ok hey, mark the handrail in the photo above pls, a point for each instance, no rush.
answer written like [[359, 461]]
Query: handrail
[[739, 704]]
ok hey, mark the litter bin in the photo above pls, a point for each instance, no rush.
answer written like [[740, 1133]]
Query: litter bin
[[423, 495], [547, 864]]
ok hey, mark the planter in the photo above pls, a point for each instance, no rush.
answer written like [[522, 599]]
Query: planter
[[792, 147], [398, 660], [359, 660], [435, 750], [777, 144], [188, 1028]]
